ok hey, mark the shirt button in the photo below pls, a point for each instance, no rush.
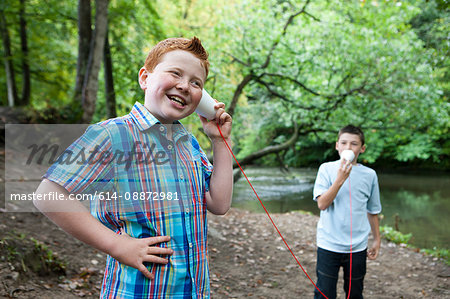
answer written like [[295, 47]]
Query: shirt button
[[187, 210], [190, 245], [161, 128], [169, 147], [181, 177]]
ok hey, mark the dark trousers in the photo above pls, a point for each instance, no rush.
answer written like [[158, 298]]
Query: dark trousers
[[327, 269]]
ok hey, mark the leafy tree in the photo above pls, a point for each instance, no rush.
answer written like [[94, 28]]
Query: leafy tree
[[13, 98], [325, 64], [431, 26], [53, 42], [133, 29], [290, 72], [49, 32]]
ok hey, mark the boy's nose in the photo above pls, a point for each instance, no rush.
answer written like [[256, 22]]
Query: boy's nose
[[183, 85]]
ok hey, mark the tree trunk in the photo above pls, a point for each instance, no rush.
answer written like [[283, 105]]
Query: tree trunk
[[84, 42], [90, 84], [109, 80], [238, 93], [26, 82], [9, 68], [271, 149]]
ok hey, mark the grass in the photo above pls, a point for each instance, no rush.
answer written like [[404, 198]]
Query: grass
[[25, 254]]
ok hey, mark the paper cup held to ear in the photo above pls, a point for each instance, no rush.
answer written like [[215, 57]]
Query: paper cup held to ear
[[206, 106]]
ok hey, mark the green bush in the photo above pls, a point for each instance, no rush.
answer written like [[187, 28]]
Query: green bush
[[394, 236], [399, 238]]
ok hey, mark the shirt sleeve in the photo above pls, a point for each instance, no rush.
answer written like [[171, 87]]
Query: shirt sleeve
[[86, 165], [322, 182], [374, 204]]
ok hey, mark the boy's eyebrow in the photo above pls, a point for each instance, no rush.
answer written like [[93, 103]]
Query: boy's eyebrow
[[351, 141]]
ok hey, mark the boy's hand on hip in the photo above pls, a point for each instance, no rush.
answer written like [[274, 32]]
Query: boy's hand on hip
[[222, 119], [134, 252]]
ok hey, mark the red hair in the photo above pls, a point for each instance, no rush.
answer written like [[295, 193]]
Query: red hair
[[193, 46]]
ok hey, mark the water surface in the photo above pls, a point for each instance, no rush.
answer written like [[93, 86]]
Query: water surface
[[417, 204]]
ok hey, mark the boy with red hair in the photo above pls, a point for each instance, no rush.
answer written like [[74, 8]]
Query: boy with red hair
[[149, 213]]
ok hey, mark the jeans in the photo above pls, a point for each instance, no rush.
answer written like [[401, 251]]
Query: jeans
[[327, 269]]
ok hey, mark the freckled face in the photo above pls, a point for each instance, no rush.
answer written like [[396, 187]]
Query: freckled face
[[174, 88]]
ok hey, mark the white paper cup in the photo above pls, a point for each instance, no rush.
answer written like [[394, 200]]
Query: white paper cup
[[206, 106], [348, 155]]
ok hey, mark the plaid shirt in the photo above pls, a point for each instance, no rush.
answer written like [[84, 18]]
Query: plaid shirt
[[146, 185]]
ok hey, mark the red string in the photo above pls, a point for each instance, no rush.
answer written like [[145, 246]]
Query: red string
[[350, 278], [268, 215]]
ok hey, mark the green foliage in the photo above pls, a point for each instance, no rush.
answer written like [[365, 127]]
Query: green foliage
[[399, 238], [381, 65], [394, 236], [359, 64], [52, 49], [134, 27], [53, 42], [439, 253], [303, 212], [26, 254], [50, 263]]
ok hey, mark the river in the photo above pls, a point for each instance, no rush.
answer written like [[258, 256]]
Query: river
[[417, 204]]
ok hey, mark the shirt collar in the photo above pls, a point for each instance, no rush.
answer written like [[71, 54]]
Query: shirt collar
[[144, 120], [142, 117]]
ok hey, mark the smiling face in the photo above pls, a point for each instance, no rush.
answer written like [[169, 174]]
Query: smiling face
[[174, 88], [348, 141]]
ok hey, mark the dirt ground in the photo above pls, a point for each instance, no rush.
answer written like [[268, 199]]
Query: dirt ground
[[247, 259]]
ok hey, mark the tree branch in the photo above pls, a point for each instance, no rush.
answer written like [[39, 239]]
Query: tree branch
[[293, 81], [238, 60], [283, 97], [271, 149], [249, 77], [238, 93], [283, 33]]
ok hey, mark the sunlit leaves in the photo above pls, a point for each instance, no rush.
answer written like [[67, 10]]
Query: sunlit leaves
[[368, 53]]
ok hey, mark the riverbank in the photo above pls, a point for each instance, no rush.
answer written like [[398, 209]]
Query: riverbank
[[416, 204], [247, 259]]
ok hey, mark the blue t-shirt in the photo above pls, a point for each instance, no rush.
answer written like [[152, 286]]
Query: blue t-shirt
[[333, 228]]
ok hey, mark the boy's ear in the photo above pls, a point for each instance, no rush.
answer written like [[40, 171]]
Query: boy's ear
[[336, 147], [143, 74], [363, 149]]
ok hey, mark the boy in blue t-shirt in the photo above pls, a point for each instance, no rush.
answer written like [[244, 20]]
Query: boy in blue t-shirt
[[336, 183]]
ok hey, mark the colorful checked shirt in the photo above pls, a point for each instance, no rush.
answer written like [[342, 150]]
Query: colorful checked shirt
[[145, 185]]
